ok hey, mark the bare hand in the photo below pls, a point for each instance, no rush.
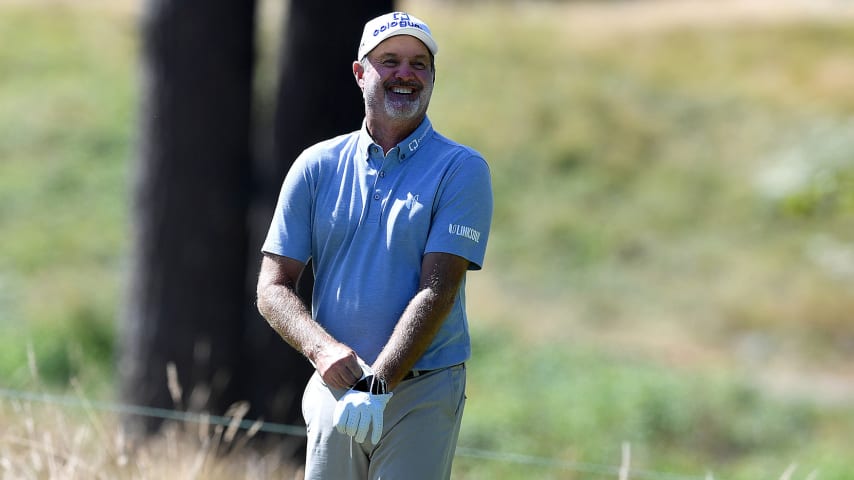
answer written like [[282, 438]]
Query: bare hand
[[338, 365]]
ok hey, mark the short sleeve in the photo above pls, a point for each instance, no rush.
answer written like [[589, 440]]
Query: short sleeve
[[290, 229], [463, 214]]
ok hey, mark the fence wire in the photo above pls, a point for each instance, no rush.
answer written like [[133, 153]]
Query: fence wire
[[296, 430]]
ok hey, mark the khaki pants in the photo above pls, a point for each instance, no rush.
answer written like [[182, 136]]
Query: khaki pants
[[421, 427]]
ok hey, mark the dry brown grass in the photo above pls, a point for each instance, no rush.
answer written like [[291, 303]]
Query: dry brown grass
[[47, 439], [46, 443]]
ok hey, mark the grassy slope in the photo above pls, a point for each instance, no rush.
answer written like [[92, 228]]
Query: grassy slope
[[67, 99], [647, 239], [628, 166], [642, 224], [643, 177]]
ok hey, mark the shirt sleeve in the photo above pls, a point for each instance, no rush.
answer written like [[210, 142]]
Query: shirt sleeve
[[463, 215], [290, 229]]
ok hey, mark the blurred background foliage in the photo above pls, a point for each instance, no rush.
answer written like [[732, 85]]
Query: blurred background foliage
[[672, 257]]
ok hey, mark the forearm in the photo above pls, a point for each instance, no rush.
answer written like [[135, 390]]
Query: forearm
[[289, 317], [413, 334]]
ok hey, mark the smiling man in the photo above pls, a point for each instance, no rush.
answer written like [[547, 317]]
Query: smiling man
[[392, 216]]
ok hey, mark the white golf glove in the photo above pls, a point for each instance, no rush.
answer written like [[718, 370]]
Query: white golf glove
[[361, 409]]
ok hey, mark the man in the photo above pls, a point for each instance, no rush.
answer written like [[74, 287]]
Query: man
[[392, 216]]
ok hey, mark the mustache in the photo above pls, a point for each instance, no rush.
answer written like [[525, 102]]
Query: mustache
[[392, 83]]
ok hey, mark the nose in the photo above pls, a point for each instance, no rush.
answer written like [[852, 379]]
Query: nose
[[404, 71]]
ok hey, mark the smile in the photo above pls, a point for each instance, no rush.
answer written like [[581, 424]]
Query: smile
[[403, 90]]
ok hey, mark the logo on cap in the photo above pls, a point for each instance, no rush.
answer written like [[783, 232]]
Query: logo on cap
[[396, 23], [400, 20]]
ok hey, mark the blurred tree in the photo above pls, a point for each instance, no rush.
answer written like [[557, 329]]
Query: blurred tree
[[203, 201]]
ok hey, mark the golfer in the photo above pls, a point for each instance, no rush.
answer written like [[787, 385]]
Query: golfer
[[393, 216]]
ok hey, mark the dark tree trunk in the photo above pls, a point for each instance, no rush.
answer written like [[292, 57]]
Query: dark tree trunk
[[203, 203], [185, 302], [318, 96]]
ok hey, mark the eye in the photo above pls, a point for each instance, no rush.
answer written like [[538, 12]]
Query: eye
[[389, 63], [419, 65]]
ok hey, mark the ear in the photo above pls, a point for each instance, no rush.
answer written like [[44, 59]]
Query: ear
[[359, 74]]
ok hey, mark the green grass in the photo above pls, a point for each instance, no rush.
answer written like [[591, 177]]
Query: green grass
[[576, 403], [66, 122], [672, 231], [652, 167]]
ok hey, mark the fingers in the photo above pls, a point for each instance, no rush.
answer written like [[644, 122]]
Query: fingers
[[357, 413], [352, 369], [340, 417], [347, 374], [377, 429], [343, 379], [354, 423], [355, 367], [362, 430], [339, 366]]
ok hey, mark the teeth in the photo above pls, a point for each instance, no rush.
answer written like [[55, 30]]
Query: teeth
[[401, 90]]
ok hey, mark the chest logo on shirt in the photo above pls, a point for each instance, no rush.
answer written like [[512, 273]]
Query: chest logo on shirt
[[464, 231], [412, 201], [409, 207]]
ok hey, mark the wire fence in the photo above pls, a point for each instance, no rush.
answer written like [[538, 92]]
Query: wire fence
[[143, 411], [622, 472]]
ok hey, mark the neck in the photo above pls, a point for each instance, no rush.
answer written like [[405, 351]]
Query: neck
[[387, 134]]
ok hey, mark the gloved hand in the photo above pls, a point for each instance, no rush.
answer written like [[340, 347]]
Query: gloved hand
[[359, 411]]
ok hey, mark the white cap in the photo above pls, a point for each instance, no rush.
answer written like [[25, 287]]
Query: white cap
[[391, 24]]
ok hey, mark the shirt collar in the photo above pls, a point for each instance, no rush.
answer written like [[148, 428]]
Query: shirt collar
[[406, 148]]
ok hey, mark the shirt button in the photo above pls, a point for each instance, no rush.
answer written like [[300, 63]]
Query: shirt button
[[376, 196], [382, 173]]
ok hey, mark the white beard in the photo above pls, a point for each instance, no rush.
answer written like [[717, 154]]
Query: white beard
[[400, 111]]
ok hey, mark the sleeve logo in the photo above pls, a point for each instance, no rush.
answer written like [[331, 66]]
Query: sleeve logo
[[464, 231]]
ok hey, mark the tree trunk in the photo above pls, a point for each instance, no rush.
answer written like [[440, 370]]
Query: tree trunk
[[185, 302]]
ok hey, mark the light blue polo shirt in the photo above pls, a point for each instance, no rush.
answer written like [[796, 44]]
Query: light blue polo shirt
[[367, 220]]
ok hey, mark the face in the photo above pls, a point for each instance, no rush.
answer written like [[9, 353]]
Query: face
[[397, 79]]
